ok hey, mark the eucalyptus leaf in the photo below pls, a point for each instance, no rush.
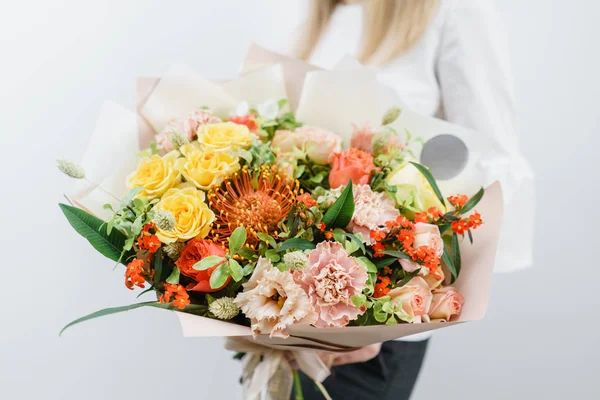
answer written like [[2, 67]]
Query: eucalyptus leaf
[[267, 238], [207, 262], [365, 262], [236, 270], [173, 279], [430, 179], [237, 239], [219, 276], [341, 211]]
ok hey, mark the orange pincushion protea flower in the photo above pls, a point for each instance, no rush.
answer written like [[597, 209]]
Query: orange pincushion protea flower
[[257, 200]]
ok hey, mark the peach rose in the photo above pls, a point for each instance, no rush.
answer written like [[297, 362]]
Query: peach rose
[[351, 164], [436, 279], [194, 251], [447, 302], [319, 144], [425, 235], [415, 298]]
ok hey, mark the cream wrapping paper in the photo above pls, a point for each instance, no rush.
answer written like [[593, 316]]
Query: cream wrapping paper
[[311, 93]]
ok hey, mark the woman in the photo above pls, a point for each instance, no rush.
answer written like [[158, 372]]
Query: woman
[[444, 58]]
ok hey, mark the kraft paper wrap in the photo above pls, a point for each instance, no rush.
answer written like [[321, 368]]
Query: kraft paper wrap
[[330, 99]]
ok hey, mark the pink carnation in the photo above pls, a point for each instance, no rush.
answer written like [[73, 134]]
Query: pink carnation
[[186, 127], [331, 278], [371, 211], [273, 301]]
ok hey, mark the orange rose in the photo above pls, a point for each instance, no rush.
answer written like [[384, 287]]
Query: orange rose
[[193, 252], [351, 164]]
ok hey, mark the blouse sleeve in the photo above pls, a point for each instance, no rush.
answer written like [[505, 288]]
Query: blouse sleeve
[[473, 71]]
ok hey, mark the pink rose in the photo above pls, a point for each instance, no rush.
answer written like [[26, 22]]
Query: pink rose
[[415, 298], [319, 144], [362, 137], [186, 127], [425, 235], [331, 278], [351, 164], [447, 302]]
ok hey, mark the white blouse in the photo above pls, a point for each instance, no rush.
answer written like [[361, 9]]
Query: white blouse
[[459, 71]]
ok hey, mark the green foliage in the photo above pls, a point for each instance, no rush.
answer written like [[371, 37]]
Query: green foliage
[[237, 240], [173, 279], [449, 263], [296, 244], [219, 276], [341, 211], [431, 180], [472, 202], [236, 270], [208, 262], [94, 231], [196, 309]]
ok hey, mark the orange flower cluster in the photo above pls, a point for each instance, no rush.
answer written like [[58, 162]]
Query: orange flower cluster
[[181, 296], [431, 215], [424, 255], [382, 286], [306, 199], [458, 200], [472, 222], [134, 274], [147, 240]]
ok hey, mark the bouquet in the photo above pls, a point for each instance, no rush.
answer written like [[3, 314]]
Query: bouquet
[[245, 214]]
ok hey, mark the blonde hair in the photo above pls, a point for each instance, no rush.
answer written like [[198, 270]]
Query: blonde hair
[[390, 27]]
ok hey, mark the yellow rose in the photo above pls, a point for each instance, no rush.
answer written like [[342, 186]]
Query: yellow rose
[[224, 136], [206, 168], [193, 218], [155, 175]]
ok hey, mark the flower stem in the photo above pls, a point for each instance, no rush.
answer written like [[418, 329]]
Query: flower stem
[[297, 385]]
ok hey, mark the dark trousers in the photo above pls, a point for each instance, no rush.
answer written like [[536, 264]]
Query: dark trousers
[[390, 375]]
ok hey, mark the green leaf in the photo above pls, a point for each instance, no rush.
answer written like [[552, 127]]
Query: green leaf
[[379, 315], [207, 262], [109, 245], [191, 309], [296, 243], [358, 299], [391, 115], [219, 276], [173, 279], [267, 238], [281, 103], [448, 261], [456, 253], [430, 179], [356, 240], [247, 254], [150, 289], [397, 254], [237, 239], [388, 307], [236, 270], [472, 202], [391, 321], [158, 264], [248, 269], [272, 255], [341, 211], [408, 277], [365, 262], [384, 262]]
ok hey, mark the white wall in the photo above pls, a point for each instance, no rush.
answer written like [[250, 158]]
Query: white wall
[[59, 60]]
